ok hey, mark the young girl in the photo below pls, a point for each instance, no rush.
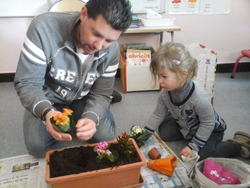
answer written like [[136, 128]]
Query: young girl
[[183, 110]]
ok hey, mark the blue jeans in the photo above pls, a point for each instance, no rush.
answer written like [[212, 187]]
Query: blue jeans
[[38, 140], [214, 147]]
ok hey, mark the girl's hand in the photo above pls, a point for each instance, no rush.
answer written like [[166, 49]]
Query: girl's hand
[[186, 151]]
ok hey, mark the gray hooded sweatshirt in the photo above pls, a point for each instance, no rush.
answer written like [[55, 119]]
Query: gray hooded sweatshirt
[[50, 70]]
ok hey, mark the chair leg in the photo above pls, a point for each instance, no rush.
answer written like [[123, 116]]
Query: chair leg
[[236, 65]]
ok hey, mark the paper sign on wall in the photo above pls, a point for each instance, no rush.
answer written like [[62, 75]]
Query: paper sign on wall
[[202, 7]]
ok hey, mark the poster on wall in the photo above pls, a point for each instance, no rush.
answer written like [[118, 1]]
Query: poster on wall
[[184, 7], [141, 6], [215, 7], [202, 7]]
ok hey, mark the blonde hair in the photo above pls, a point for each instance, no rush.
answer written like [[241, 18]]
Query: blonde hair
[[175, 57]]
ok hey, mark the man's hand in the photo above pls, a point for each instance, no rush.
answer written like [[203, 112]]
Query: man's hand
[[85, 129], [186, 151], [54, 133]]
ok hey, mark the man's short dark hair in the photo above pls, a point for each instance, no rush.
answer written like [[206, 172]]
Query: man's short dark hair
[[117, 12]]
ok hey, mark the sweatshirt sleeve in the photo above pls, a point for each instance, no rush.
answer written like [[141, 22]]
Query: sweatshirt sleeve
[[206, 115], [30, 73], [159, 114]]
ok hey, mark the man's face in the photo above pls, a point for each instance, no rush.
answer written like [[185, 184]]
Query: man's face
[[94, 35]]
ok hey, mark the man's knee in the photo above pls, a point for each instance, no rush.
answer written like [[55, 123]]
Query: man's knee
[[106, 130], [35, 135], [38, 153]]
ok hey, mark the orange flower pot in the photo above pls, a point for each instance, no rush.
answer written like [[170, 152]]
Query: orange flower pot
[[121, 176], [154, 154]]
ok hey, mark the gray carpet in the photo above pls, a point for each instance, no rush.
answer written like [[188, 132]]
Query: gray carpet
[[231, 101]]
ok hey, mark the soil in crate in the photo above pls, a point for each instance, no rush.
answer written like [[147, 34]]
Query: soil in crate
[[82, 159]]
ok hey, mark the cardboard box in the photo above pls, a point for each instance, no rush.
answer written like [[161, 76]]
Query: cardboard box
[[138, 57], [136, 77]]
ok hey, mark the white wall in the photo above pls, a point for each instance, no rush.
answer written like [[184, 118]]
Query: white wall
[[12, 33], [226, 34]]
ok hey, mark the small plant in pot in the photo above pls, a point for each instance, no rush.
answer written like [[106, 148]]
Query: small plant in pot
[[64, 122], [105, 164]]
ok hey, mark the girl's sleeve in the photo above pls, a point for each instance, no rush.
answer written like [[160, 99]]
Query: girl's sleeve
[[159, 114], [205, 112]]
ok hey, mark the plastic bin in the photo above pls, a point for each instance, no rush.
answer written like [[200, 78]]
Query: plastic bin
[[164, 21]]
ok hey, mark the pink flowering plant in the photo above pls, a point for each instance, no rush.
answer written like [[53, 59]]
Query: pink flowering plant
[[102, 150]]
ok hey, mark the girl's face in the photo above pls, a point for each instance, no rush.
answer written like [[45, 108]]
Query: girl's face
[[170, 80]]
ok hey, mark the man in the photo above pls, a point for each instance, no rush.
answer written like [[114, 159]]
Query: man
[[70, 60]]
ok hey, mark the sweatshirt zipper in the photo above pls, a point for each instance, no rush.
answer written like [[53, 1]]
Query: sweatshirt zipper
[[77, 87], [81, 76]]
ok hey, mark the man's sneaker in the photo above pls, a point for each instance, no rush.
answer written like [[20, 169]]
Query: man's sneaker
[[115, 97]]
